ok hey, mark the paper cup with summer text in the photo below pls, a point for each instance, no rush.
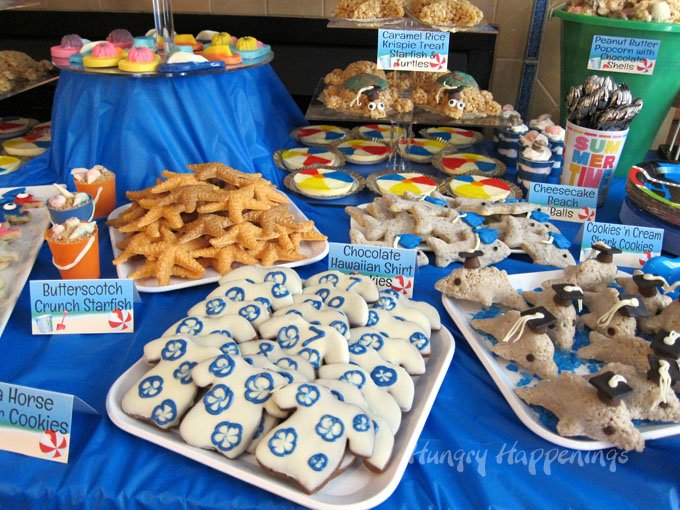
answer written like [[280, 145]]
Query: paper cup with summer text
[[591, 158], [78, 260]]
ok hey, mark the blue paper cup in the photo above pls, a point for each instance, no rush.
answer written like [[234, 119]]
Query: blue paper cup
[[533, 171], [84, 212], [508, 146]]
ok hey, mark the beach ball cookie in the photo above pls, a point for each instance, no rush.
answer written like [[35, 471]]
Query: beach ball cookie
[[304, 157], [321, 135], [400, 183], [11, 125], [323, 182], [29, 145], [364, 152], [458, 137], [466, 164], [481, 187], [8, 164], [381, 133], [140, 59], [420, 150]]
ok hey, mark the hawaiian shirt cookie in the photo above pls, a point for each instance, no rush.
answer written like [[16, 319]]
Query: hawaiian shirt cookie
[[392, 300], [386, 323], [323, 317], [232, 326], [164, 393], [278, 356], [254, 312], [395, 350], [257, 274], [350, 302], [274, 295], [309, 446], [362, 285]]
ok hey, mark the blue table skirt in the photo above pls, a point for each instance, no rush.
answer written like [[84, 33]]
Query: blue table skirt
[[473, 451]]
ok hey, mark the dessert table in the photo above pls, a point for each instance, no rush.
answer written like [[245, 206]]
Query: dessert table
[[473, 451]]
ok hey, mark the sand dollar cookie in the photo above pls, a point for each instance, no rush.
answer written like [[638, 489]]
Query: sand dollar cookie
[[303, 157], [320, 135], [29, 145], [458, 137], [364, 152], [420, 150], [469, 164]]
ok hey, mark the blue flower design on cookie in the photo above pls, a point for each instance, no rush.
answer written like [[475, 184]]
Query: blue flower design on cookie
[[286, 363], [336, 302], [330, 279], [250, 312], [259, 388], [283, 442], [230, 349], [235, 294], [311, 355], [226, 436], [218, 399], [357, 348], [318, 462], [265, 302], [383, 376], [307, 395], [215, 306], [265, 348], [276, 277], [374, 340], [315, 304], [355, 377], [164, 413], [338, 395], [361, 423], [190, 326], [183, 372], [420, 340], [386, 303], [329, 428], [223, 332], [151, 386], [222, 366], [279, 291], [173, 350], [288, 337], [372, 318], [340, 327]]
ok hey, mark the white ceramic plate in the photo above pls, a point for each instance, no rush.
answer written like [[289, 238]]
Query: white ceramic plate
[[313, 251], [27, 246], [462, 311], [356, 488]]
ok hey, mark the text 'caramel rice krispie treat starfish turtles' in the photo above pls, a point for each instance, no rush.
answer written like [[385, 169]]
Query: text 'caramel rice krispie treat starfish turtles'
[[214, 216]]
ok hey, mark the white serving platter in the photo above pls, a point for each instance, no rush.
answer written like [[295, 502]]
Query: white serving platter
[[27, 246], [313, 251], [462, 311], [356, 488]]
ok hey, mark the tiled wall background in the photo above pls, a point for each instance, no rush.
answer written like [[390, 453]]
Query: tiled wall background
[[513, 18]]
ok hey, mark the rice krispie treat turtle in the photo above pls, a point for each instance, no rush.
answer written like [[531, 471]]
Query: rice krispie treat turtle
[[447, 12]]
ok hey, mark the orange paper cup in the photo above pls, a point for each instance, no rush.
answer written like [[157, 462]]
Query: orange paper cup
[[106, 201], [78, 260]]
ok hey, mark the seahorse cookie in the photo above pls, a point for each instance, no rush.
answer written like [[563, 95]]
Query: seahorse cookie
[[394, 301], [379, 402], [164, 393], [254, 312], [226, 418], [518, 342], [581, 412], [612, 314], [231, 326], [349, 302], [384, 322], [362, 285], [395, 350], [486, 286], [314, 343], [558, 300], [384, 438], [629, 350], [309, 446], [649, 400], [258, 274], [325, 317], [273, 295]]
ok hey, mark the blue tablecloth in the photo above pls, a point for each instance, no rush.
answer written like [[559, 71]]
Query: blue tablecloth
[[473, 451]]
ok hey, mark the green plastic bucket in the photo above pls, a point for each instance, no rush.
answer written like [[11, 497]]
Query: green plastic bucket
[[658, 89]]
